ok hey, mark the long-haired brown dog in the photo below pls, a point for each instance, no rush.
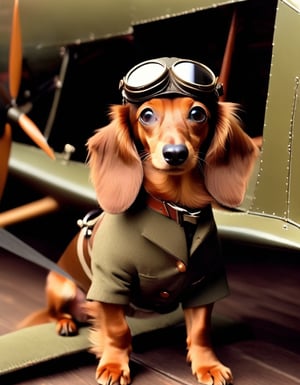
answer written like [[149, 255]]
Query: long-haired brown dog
[[167, 155]]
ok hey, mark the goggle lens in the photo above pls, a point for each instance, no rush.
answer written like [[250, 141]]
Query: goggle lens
[[144, 75], [194, 74]]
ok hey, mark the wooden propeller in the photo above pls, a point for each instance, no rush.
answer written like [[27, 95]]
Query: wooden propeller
[[14, 113]]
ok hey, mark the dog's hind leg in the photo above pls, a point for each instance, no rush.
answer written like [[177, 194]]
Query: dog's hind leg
[[62, 296], [60, 293], [63, 299]]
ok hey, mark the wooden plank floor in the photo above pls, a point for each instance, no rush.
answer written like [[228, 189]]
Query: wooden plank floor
[[262, 347]]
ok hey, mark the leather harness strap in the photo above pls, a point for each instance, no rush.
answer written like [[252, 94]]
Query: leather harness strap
[[90, 222]]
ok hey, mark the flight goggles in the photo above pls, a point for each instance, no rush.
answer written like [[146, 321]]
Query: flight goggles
[[167, 77]]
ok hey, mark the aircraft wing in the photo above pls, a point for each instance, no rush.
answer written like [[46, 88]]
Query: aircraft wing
[[252, 223]]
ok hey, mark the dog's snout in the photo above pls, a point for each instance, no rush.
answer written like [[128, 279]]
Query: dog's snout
[[175, 154]]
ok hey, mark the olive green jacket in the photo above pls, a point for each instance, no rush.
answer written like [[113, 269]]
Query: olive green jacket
[[141, 259]]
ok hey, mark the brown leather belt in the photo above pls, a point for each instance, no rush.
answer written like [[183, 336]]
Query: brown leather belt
[[172, 211]]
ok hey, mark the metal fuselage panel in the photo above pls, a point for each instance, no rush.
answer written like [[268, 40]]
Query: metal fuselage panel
[[278, 181]]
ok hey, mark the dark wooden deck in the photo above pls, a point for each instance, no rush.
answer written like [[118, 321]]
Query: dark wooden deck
[[262, 346]]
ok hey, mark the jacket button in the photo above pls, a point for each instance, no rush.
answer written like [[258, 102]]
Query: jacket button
[[164, 294], [181, 266]]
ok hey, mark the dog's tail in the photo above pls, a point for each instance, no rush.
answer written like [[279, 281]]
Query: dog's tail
[[41, 316]]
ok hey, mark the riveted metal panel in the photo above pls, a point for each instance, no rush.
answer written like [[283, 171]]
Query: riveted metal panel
[[278, 184]]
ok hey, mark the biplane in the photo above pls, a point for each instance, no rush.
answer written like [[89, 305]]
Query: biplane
[[59, 72]]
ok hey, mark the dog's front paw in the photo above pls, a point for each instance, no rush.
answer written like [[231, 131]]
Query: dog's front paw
[[113, 374], [214, 375], [207, 368]]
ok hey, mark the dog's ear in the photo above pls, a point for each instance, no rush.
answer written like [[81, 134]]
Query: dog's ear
[[115, 166], [229, 159]]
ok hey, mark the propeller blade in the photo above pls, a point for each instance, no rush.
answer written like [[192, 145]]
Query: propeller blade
[[35, 134], [30, 129], [15, 54]]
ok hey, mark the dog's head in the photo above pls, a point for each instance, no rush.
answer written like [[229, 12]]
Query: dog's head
[[183, 145]]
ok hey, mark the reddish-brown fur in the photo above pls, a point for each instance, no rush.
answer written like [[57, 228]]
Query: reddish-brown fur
[[118, 171]]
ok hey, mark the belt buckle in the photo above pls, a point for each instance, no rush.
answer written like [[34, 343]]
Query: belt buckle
[[189, 218], [183, 215]]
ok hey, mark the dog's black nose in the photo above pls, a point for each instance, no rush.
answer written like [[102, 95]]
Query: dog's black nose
[[175, 154]]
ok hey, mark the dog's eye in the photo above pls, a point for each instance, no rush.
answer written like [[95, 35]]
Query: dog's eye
[[197, 114], [147, 116]]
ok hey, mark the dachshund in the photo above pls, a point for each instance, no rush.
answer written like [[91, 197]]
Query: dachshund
[[157, 168]]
